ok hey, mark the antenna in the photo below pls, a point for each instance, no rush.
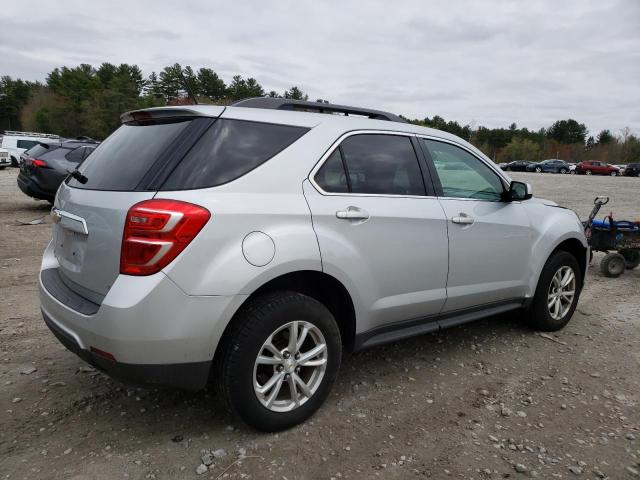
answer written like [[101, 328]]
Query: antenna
[[188, 89]]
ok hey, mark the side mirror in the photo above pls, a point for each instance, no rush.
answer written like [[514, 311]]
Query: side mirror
[[519, 191]]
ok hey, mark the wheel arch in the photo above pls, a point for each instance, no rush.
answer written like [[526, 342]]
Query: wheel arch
[[316, 284], [578, 250]]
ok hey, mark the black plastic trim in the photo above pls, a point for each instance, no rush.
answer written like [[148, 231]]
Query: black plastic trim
[[188, 376], [54, 284], [418, 326], [319, 107]]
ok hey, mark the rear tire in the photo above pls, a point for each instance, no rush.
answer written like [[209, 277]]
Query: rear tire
[[538, 170], [563, 170], [588, 172], [553, 306], [246, 365], [612, 265], [631, 258]]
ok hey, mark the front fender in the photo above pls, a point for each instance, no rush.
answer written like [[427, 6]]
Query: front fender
[[553, 227]]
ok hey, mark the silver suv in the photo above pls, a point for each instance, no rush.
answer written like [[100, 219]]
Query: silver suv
[[250, 245]]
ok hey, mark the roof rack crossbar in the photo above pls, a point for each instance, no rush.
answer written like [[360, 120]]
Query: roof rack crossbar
[[30, 134], [320, 107]]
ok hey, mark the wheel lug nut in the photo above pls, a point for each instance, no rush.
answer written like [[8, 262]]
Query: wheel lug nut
[[297, 356], [286, 354], [280, 368], [297, 369], [287, 376]]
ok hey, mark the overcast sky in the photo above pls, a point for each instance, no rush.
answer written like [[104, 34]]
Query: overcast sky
[[478, 62]]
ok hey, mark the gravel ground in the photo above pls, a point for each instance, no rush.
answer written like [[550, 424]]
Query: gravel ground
[[485, 400]]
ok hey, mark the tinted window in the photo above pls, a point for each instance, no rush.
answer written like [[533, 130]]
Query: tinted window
[[461, 174], [39, 150], [76, 155], [27, 144], [382, 164], [228, 150], [331, 177], [122, 160]]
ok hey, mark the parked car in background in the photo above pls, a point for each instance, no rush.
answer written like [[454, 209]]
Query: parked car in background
[[551, 165], [594, 167], [632, 170], [46, 165], [250, 245], [621, 169], [516, 166], [5, 158], [19, 142], [572, 168]]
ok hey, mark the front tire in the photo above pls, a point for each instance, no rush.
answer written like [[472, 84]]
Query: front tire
[[563, 171], [557, 293], [538, 170], [279, 360], [588, 172]]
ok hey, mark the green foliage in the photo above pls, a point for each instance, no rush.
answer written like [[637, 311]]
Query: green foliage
[[568, 131], [294, 93], [84, 100], [604, 137], [630, 151], [240, 88], [14, 95], [520, 149]]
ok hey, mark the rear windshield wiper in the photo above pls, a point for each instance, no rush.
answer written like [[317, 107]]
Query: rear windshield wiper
[[78, 176]]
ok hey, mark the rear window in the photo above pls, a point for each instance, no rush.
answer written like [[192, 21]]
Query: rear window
[[228, 150], [122, 160], [39, 150]]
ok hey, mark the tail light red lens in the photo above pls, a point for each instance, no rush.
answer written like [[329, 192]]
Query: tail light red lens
[[156, 231], [36, 162]]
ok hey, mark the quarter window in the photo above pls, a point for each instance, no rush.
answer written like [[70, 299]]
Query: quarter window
[[461, 174], [230, 149], [376, 164]]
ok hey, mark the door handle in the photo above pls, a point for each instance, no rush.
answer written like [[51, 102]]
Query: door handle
[[352, 213], [463, 219]]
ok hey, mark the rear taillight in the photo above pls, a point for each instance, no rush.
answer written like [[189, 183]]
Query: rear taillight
[[36, 162], [156, 231]]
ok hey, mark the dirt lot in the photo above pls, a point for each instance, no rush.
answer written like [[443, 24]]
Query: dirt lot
[[486, 400]]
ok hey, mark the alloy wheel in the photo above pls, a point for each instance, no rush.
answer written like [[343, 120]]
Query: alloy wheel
[[290, 366], [562, 290]]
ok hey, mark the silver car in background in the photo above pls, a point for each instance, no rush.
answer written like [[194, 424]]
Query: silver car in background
[[248, 246]]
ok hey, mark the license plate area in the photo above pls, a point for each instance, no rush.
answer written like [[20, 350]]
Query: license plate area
[[70, 248]]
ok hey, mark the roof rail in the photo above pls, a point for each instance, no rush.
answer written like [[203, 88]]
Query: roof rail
[[319, 107], [30, 134]]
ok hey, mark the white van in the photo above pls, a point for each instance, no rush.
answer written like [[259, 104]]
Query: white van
[[17, 143]]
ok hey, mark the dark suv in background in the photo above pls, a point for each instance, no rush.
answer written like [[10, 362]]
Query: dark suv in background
[[632, 170], [552, 165], [45, 166]]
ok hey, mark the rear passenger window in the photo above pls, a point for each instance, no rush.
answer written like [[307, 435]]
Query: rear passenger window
[[375, 164], [228, 150]]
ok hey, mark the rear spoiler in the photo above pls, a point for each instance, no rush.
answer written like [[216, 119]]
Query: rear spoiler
[[171, 112]]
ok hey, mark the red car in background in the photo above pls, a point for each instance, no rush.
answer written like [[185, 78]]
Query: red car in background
[[595, 167]]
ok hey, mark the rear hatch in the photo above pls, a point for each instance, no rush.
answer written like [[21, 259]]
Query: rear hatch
[[127, 168]]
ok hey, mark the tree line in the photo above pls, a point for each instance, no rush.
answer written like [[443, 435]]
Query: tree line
[[88, 101]]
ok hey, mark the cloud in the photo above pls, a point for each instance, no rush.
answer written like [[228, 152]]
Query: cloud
[[488, 62]]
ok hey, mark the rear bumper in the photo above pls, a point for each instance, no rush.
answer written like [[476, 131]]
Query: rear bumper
[[31, 188], [155, 333], [188, 376]]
